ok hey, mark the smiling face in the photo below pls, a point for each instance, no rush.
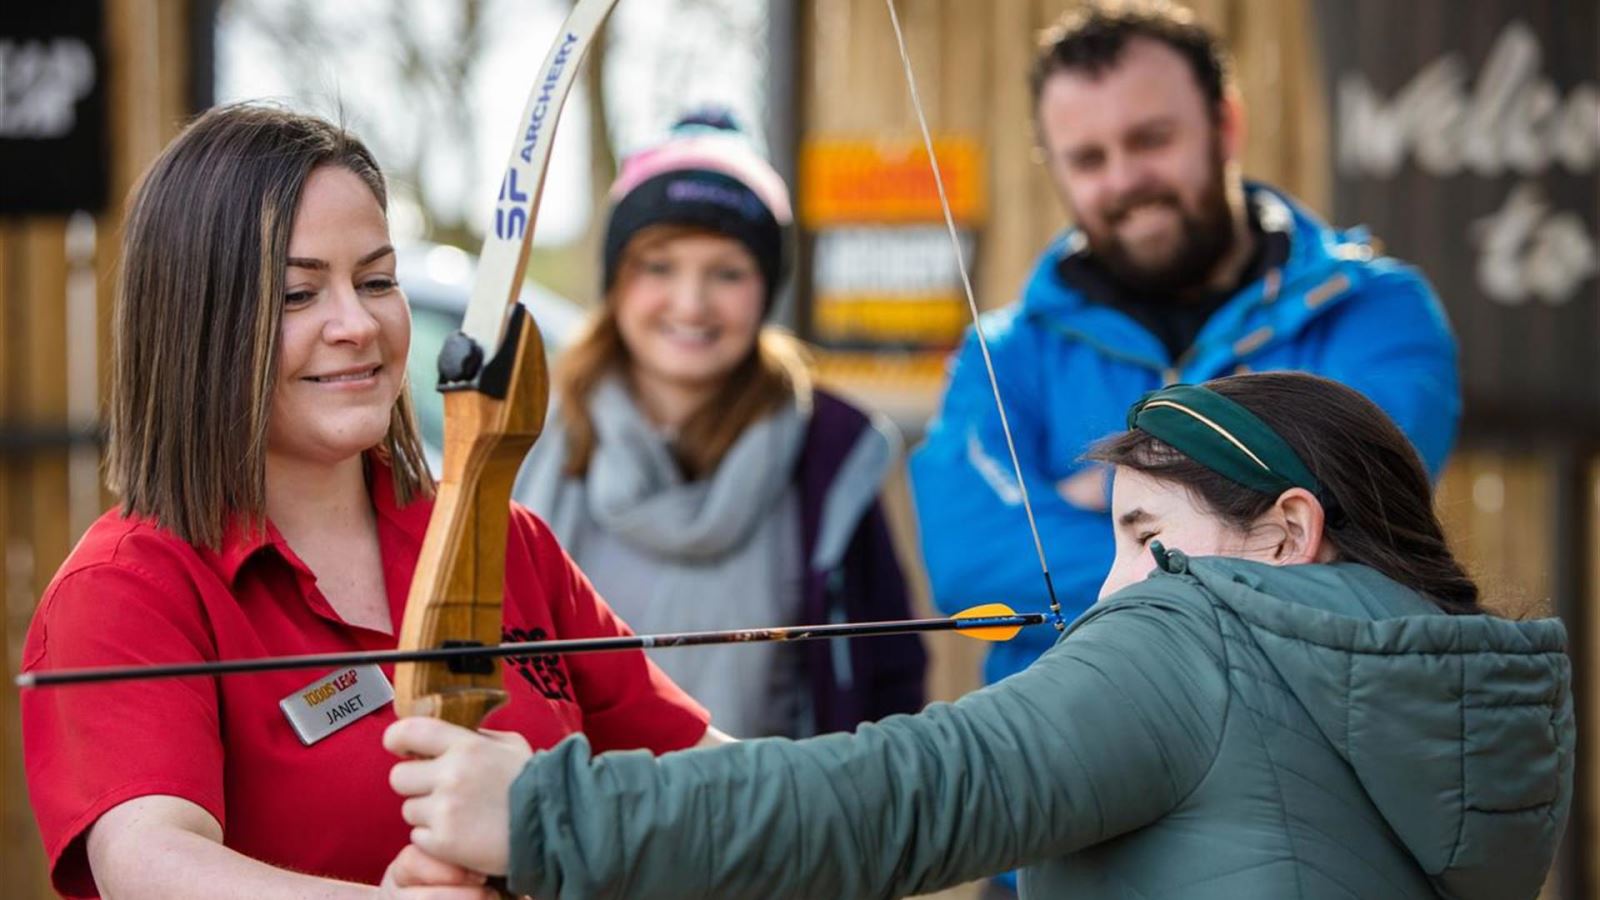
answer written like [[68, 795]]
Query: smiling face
[[1141, 158], [689, 308], [346, 327]]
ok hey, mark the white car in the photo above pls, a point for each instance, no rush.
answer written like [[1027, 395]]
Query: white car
[[437, 280]]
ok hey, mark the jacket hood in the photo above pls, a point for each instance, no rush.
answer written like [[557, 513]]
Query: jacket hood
[[1389, 679]]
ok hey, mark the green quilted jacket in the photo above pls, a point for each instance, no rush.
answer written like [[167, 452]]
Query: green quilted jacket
[[1223, 729]]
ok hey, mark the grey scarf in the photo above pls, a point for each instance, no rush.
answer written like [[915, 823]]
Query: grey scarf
[[635, 491], [675, 555]]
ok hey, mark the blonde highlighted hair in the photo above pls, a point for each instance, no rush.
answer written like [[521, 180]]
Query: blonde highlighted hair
[[776, 372]]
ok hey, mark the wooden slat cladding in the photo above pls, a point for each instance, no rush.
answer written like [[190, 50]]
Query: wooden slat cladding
[[146, 42], [1495, 507]]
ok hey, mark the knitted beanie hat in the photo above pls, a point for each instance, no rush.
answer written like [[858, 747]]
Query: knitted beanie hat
[[705, 174]]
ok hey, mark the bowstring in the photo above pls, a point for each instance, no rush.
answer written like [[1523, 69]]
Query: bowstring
[[977, 320]]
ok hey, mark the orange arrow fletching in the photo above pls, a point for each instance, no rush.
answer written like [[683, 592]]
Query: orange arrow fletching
[[988, 611]]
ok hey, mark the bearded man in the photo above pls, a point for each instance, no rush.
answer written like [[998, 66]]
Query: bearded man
[[1177, 270]]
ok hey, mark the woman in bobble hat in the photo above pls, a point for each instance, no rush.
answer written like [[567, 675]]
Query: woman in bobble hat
[[695, 472]]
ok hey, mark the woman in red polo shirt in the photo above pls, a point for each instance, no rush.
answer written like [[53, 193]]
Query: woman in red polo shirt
[[274, 502]]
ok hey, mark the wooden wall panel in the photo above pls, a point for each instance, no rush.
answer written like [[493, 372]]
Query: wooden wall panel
[[1495, 506], [1006, 245], [963, 47], [146, 45], [1047, 216]]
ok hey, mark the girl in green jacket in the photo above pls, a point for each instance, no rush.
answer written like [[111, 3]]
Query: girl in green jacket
[[1287, 689]]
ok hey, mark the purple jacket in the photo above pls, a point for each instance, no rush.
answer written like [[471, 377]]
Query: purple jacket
[[852, 573]]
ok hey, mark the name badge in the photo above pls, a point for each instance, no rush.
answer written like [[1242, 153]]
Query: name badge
[[335, 700]]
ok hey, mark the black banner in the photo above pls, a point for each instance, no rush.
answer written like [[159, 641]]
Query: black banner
[[52, 107], [1467, 137]]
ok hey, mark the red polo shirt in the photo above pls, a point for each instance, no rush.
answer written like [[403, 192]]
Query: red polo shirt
[[132, 593]]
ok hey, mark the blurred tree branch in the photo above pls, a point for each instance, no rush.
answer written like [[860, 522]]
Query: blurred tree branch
[[427, 56]]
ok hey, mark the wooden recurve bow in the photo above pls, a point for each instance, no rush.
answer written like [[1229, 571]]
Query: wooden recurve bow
[[493, 376]]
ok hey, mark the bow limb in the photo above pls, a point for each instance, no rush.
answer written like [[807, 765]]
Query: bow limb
[[496, 388]]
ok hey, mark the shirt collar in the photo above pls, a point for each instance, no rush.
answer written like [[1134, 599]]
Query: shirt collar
[[242, 539]]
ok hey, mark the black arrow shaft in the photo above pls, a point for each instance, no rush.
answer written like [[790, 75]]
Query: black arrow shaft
[[527, 648]]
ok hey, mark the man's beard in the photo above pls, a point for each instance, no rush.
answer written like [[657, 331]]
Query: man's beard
[[1206, 236]]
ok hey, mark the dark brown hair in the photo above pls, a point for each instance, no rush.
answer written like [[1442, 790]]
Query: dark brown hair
[[1380, 503], [772, 374], [1091, 39], [198, 309]]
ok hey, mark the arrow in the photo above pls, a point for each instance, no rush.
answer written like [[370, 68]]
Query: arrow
[[988, 622]]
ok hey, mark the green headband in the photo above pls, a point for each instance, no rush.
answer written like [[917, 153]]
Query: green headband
[[1224, 437]]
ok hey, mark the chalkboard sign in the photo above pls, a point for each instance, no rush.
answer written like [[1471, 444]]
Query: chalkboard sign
[[1467, 137], [52, 107]]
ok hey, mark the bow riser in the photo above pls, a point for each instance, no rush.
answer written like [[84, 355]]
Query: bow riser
[[460, 575]]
